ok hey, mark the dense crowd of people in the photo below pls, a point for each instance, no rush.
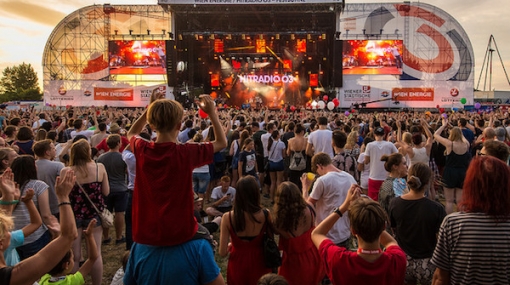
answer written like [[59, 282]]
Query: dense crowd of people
[[358, 198]]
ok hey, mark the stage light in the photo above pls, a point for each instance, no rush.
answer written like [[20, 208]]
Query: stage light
[[116, 32], [337, 35], [211, 37], [308, 37], [277, 36], [364, 31], [131, 32], [380, 31], [261, 37], [323, 36], [243, 37], [180, 37], [292, 37], [396, 31], [148, 32], [163, 32], [171, 35]]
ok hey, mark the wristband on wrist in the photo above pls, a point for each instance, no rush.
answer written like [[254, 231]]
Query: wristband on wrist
[[338, 212], [64, 203], [13, 202]]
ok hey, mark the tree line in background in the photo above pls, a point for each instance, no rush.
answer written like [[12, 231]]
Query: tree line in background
[[19, 83]]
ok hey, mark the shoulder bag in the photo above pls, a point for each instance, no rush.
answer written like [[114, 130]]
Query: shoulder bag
[[272, 257], [106, 216]]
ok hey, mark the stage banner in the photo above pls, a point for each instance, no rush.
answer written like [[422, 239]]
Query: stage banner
[[394, 93], [245, 2], [98, 93]]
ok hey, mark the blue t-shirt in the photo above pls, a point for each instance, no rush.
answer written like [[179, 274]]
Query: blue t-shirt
[[11, 255], [189, 263]]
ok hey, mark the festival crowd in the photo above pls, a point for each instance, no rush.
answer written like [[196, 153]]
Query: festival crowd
[[354, 198]]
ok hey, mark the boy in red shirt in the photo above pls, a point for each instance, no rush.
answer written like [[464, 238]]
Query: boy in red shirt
[[163, 194], [370, 264]]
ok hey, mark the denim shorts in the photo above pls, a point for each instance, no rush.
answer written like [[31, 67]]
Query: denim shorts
[[200, 182], [276, 166], [84, 223]]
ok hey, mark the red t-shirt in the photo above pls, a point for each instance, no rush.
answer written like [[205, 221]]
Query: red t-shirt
[[346, 267], [163, 195], [103, 146]]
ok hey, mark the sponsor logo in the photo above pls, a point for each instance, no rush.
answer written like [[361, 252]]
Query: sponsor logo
[[385, 94], [113, 94], [412, 94], [454, 92], [62, 90], [357, 94], [87, 93]]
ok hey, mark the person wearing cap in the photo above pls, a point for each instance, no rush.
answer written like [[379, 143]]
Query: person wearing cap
[[373, 153], [114, 129], [211, 226]]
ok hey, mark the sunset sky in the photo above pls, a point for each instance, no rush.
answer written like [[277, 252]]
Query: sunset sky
[[25, 26]]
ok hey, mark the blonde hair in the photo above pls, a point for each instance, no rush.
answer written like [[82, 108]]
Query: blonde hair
[[6, 224], [352, 138], [407, 137], [80, 155], [456, 134], [165, 115]]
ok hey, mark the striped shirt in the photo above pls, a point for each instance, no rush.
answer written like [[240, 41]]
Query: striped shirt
[[474, 248], [21, 214]]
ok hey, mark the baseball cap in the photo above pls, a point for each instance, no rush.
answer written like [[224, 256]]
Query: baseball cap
[[379, 131]]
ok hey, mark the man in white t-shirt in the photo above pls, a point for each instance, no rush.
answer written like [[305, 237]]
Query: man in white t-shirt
[[223, 196], [373, 153], [329, 191], [265, 137], [320, 140]]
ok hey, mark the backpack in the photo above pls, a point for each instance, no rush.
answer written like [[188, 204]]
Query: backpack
[[339, 162], [297, 161]]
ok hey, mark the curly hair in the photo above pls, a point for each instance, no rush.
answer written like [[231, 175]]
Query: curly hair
[[289, 207]]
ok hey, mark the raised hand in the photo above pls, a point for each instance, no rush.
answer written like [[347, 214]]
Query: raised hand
[[207, 104], [7, 185], [64, 185], [29, 194]]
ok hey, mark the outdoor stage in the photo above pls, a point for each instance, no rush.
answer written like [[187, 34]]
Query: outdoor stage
[[372, 70]]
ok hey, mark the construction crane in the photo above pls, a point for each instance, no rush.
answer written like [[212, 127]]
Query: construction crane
[[487, 65]]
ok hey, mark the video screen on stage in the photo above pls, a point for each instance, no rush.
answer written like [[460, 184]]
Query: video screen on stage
[[137, 57], [372, 57]]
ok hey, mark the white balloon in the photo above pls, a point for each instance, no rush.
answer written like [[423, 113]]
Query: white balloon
[[321, 105], [331, 106], [314, 104]]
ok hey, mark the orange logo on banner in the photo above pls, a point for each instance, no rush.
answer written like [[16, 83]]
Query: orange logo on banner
[[412, 94], [113, 94]]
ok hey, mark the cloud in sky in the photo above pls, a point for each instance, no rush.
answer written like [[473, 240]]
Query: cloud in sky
[[26, 25]]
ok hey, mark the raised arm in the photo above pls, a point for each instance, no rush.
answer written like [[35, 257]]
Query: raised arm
[[92, 253], [437, 135], [35, 218], [31, 269], [220, 140]]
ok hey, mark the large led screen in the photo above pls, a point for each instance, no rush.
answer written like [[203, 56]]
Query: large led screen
[[372, 57], [137, 57]]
